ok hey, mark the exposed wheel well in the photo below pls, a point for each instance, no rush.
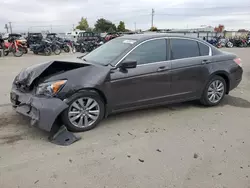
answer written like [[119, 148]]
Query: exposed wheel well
[[101, 94], [97, 91], [225, 77]]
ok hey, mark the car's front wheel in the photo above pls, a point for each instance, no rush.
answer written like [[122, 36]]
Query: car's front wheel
[[85, 111], [214, 91]]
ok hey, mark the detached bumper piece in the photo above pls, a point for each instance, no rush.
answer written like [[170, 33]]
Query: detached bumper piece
[[63, 137], [43, 113]]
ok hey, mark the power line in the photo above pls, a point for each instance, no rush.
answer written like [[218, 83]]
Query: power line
[[7, 28]]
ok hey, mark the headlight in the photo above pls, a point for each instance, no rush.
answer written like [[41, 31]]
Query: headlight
[[50, 88]]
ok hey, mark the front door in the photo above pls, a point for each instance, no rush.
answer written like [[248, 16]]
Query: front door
[[148, 83]]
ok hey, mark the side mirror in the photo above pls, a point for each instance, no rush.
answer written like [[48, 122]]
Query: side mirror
[[128, 64]]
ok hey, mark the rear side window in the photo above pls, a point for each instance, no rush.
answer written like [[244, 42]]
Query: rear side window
[[204, 49], [184, 48]]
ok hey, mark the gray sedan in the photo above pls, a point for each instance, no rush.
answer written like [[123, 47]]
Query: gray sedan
[[127, 73]]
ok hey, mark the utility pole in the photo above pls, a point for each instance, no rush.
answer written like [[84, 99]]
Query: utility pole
[[10, 27], [6, 27], [152, 20], [135, 26]]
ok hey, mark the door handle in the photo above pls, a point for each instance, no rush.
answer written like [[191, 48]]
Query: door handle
[[162, 68], [205, 61]]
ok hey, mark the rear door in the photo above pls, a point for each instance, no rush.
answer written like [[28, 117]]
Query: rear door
[[148, 83], [190, 70]]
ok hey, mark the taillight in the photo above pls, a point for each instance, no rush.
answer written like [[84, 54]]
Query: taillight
[[238, 61]]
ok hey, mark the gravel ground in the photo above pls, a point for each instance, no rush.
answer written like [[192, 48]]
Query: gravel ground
[[175, 146]]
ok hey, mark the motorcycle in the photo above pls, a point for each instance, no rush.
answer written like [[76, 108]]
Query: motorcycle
[[44, 47], [248, 41], [54, 46], [23, 45], [72, 46], [225, 43], [77, 46], [64, 46], [12, 46], [213, 41], [238, 42]]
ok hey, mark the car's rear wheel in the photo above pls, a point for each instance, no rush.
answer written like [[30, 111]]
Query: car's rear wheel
[[85, 111], [214, 91]]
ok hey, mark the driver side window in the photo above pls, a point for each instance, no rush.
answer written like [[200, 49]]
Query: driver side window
[[149, 52]]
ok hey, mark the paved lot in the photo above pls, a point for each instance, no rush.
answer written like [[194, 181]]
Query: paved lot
[[148, 148]]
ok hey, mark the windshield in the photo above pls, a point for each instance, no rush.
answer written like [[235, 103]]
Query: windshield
[[109, 51]]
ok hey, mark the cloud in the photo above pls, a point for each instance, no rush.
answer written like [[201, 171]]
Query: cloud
[[41, 14]]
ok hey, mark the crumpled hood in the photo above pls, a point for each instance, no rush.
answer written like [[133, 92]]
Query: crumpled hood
[[27, 76]]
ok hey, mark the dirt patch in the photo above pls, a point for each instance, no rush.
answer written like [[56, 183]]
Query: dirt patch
[[12, 118], [10, 139]]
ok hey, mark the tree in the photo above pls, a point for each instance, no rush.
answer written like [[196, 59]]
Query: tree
[[83, 24], [103, 25], [89, 29], [153, 29], [219, 29], [121, 27]]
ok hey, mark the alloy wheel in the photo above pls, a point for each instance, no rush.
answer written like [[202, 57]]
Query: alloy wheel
[[84, 112], [215, 91]]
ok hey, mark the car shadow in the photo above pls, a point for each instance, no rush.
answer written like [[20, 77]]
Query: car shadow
[[152, 111], [235, 101], [228, 100]]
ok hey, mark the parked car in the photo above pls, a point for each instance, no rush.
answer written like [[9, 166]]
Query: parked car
[[88, 36], [52, 36], [34, 38], [126, 73]]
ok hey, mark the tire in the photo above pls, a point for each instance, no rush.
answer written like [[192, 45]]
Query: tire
[[73, 50], [66, 49], [19, 53], [85, 95], [83, 50], [205, 99], [6, 53], [229, 45], [47, 51], [57, 50], [25, 50]]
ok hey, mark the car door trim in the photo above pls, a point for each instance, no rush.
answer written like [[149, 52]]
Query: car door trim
[[140, 75], [166, 38]]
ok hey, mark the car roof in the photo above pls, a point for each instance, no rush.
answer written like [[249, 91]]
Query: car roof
[[146, 36]]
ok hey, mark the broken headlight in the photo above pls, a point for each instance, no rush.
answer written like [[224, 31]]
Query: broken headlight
[[50, 88]]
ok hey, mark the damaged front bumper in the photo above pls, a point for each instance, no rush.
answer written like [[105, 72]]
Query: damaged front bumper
[[42, 111]]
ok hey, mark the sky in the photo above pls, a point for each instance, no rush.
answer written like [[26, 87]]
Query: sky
[[61, 15]]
